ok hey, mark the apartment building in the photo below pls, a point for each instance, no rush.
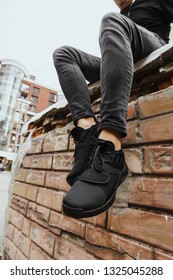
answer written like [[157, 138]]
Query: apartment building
[[21, 97]]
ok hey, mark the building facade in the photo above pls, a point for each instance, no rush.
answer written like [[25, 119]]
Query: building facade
[[41, 96], [11, 75], [21, 97]]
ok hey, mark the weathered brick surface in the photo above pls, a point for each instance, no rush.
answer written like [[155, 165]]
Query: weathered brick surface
[[50, 199], [139, 224], [120, 248], [156, 103], [22, 242], [66, 250], [151, 192], [67, 223], [38, 213], [43, 238], [99, 220], [36, 145], [37, 253], [57, 180], [20, 189], [159, 159], [21, 175], [163, 256], [31, 193], [16, 218], [55, 144], [35, 177], [63, 161], [154, 229], [10, 249], [19, 203], [157, 129]]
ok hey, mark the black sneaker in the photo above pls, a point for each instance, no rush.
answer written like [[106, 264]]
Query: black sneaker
[[84, 146], [94, 191]]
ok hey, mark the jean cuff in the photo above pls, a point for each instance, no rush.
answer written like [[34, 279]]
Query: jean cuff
[[121, 130]]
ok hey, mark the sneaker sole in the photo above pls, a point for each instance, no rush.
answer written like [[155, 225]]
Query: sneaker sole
[[80, 213]]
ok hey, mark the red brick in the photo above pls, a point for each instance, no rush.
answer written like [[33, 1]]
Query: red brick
[[36, 145], [16, 218], [38, 254], [20, 256], [38, 213], [10, 249], [32, 193], [105, 253], [163, 256], [20, 189], [159, 159], [21, 175], [50, 198], [156, 103], [26, 225], [151, 192], [120, 248], [27, 160], [10, 231], [35, 177], [67, 223], [156, 129], [22, 242], [153, 229], [41, 161], [19, 204], [99, 220], [66, 250], [63, 161], [43, 238], [55, 144], [57, 180]]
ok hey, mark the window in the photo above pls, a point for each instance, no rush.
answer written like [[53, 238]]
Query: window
[[25, 87], [52, 97], [34, 99], [32, 109], [36, 91]]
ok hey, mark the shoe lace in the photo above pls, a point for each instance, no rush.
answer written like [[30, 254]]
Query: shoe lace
[[99, 158]]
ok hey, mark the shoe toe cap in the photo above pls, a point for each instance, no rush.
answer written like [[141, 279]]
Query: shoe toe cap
[[84, 196]]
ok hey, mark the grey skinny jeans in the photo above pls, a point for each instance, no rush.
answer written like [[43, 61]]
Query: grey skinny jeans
[[122, 43]]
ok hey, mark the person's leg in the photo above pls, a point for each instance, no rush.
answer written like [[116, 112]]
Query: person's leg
[[122, 43], [74, 68]]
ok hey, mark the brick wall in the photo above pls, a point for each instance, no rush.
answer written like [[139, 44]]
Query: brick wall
[[139, 224]]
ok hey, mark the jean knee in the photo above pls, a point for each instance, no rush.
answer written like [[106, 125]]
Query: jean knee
[[60, 53], [112, 22], [115, 18]]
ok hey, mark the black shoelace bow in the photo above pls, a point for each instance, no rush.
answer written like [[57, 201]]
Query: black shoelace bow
[[99, 156]]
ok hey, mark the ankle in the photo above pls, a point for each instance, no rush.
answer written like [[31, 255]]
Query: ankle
[[86, 122], [112, 136]]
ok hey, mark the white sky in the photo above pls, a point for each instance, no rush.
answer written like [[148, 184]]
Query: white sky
[[30, 30]]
